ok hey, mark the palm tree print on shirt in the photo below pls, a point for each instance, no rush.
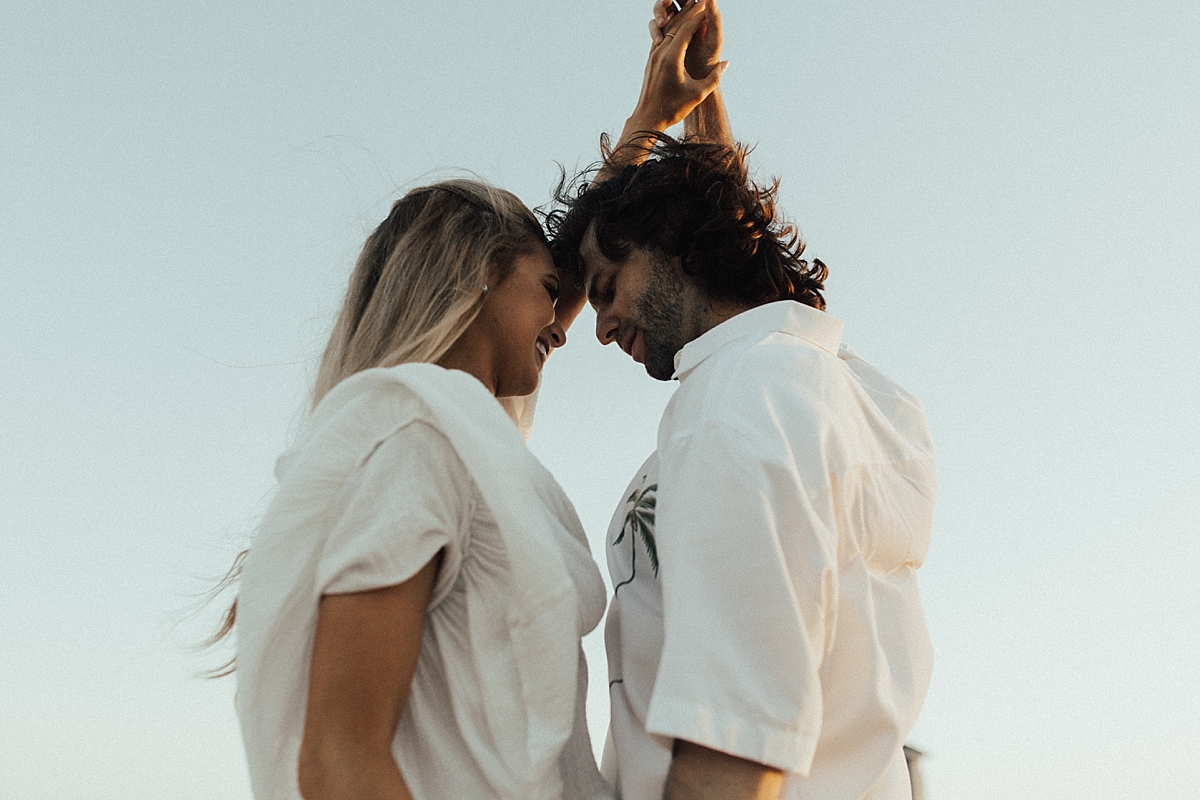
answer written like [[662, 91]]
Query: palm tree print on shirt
[[639, 519]]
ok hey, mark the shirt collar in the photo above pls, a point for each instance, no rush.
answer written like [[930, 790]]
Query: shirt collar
[[784, 316]]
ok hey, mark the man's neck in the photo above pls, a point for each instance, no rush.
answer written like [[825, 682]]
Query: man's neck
[[714, 313]]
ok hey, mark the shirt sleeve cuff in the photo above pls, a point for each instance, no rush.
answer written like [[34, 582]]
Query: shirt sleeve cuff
[[753, 740], [382, 569]]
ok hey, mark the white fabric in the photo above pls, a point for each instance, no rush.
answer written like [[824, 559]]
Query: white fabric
[[394, 465], [521, 410], [795, 488]]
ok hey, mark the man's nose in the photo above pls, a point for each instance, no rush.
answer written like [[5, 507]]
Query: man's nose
[[606, 326]]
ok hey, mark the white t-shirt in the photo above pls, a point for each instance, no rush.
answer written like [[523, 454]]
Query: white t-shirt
[[379, 484], [764, 558]]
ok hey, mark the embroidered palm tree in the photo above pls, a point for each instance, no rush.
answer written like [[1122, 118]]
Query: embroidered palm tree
[[639, 520]]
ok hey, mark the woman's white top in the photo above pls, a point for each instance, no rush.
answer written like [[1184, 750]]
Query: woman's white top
[[394, 465]]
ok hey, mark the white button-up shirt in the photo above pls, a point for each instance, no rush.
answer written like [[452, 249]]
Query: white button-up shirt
[[765, 557]]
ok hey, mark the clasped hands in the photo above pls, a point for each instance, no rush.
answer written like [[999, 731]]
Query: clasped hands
[[684, 66]]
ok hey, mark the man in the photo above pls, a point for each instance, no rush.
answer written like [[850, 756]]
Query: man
[[766, 637]]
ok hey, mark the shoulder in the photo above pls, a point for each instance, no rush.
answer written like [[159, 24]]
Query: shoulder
[[370, 405], [417, 447], [359, 414], [374, 398], [886, 397], [769, 381], [407, 388]]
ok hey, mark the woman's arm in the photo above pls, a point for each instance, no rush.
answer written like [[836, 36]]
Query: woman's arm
[[364, 657]]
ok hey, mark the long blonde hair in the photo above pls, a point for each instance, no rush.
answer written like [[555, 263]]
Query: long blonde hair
[[418, 283]]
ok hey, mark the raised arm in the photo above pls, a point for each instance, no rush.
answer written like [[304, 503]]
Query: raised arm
[[708, 121], [670, 92]]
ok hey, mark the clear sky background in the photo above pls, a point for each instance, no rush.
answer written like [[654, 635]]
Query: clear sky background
[[1007, 194]]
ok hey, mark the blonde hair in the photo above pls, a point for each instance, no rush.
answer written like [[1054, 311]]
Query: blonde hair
[[418, 283]]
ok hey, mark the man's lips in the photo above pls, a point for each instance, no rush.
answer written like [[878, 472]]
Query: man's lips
[[543, 347], [628, 344]]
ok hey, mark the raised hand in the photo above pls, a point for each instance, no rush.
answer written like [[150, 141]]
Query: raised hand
[[670, 90], [704, 47]]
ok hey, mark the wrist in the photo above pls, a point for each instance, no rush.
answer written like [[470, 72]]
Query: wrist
[[641, 120], [631, 148]]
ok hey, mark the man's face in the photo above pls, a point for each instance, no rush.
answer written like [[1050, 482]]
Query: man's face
[[643, 303]]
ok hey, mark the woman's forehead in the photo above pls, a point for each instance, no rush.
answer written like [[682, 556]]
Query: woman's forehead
[[537, 260]]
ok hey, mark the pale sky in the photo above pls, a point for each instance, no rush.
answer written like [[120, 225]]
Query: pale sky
[[1007, 195]]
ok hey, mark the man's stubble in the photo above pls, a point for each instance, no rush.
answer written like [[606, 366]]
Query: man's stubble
[[663, 317]]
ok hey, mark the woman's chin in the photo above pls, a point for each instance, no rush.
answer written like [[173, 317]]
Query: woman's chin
[[518, 385]]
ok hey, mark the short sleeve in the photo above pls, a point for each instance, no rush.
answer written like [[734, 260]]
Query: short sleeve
[[749, 595], [411, 498]]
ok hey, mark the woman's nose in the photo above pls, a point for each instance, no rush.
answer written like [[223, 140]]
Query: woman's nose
[[558, 335]]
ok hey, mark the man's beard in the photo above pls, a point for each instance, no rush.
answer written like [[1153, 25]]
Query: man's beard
[[661, 317]]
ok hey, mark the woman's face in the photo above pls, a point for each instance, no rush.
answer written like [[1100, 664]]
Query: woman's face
[[517, 327]]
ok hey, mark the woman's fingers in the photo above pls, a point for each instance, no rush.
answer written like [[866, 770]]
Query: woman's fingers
[[656, 34], [682, 28], [676, 18], [669, 91], [662, 12]]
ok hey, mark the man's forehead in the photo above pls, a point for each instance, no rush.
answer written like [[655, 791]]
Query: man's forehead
[[589, 248], [589, 279], [590, 255]]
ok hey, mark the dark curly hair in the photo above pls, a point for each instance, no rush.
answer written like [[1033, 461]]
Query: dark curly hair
[[693, 200]]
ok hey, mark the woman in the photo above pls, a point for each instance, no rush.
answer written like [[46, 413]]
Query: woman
[[410, 611]]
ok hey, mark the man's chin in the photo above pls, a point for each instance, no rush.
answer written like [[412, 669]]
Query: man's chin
[[662, 376], [656, 369], [658, 357]]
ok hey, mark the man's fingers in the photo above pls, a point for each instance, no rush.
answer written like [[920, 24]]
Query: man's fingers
[[709, 83], [705, 86], [714, 13]]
